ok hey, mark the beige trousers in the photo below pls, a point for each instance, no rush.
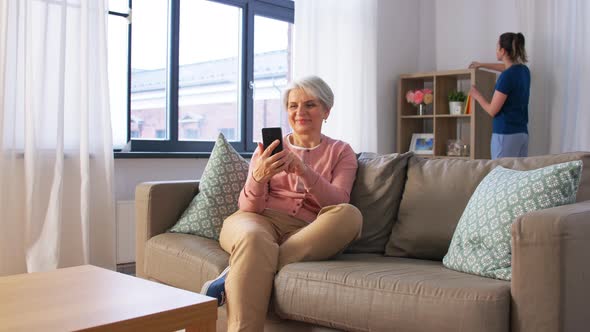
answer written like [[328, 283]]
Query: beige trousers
[[261, 244]]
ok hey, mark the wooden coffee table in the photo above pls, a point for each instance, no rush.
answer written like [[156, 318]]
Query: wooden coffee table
[[89, 298]]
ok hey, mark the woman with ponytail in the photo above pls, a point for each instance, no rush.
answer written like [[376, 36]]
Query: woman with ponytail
[[510, 102]]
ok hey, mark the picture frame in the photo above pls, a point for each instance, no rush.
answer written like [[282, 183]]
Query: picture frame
[[422, 144]]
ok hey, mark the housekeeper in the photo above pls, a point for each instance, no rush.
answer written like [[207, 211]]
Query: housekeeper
[[510, 102]]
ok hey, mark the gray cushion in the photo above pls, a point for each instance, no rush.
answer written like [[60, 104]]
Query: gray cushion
[[184, 260], [437, 191], [369, 292], [377, 192]]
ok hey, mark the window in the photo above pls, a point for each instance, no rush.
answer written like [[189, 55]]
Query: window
[[191, 133], [272, 65], [228, 132], [119, 33], [160, 133], [198, 68]]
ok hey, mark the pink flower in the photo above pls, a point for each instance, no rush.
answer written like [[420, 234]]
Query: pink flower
[[410, 96], [418, 97], [427, 91]]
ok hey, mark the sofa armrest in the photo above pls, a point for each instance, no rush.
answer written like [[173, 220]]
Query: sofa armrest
[[158, 205], [551, 269]]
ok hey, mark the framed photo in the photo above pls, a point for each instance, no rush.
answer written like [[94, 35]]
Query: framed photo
[[422, 143]]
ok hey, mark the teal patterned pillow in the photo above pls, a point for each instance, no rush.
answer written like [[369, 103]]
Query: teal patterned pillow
[[219, 190], [481, 243]]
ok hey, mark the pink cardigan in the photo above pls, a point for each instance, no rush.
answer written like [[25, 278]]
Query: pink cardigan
[[328, 181]]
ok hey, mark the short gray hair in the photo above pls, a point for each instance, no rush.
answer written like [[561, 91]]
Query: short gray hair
[[312, 85]]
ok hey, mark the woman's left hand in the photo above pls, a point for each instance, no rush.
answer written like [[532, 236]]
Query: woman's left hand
[[475, 65], [296, 166]]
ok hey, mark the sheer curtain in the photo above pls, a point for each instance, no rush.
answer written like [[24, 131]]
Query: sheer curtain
[[558, 41], [56, 160], [337, 40]]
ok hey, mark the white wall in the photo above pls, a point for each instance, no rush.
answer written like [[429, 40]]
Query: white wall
[[404, 28], [427, 49], [130, 172], [468, 30]]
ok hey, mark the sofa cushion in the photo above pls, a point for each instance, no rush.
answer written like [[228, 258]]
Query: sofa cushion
[[377, 192], [368, 292], [437, 191], [184, 260], [481, 243], [219, 190]]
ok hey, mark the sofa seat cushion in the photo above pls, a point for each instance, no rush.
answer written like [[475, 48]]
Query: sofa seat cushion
[[369, 292], [184, 260]]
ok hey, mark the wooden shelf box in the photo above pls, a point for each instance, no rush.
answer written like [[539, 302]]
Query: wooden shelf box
[[474, 129]]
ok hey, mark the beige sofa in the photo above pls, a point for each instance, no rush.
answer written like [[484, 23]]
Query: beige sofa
[[412, 291]]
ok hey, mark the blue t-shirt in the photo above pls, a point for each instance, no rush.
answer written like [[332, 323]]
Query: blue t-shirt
[[515, 83]]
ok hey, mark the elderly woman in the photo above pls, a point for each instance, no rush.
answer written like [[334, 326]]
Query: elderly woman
[[293, 207]]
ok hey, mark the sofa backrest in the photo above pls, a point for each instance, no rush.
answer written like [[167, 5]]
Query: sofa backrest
[[437, 192]]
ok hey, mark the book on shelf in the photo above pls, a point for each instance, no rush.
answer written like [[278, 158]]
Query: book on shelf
[[467, 105]]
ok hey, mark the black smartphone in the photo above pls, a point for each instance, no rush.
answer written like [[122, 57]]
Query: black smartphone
[[269, 135]]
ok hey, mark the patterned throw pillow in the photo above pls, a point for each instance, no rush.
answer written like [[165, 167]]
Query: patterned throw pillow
[[482, 240], [219, 190]]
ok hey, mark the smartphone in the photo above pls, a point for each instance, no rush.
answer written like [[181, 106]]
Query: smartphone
[[269, 135]]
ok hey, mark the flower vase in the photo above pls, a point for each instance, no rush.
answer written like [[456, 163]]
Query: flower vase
[[420, 109]]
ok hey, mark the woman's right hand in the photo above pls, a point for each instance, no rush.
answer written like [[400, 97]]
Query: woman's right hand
[[267, 166], [475, 65]]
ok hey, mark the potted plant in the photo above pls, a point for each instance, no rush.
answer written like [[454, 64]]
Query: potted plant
[[456, 100]]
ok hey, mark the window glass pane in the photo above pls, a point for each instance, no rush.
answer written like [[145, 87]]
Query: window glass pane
[[148, 69], [120, 6], [118, 55], [272, 71], [209, 72]]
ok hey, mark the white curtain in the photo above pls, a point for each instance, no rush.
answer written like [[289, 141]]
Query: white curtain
[[337, 40], [56, 161], [557, 35]]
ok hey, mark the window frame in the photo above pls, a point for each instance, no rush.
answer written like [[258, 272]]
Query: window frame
[[275, 9], [127, 16]]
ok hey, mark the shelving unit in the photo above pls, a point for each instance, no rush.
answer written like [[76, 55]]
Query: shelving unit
[[474, 129]]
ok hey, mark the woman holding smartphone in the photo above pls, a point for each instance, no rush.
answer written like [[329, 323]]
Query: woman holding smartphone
[[510, 102], [293, 207]]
